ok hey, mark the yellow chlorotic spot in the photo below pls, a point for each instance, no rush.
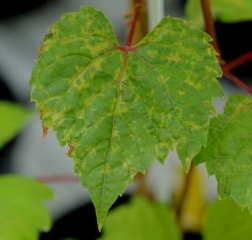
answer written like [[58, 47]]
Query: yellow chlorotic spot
[[125, 164], [175, 58], [152, 53]]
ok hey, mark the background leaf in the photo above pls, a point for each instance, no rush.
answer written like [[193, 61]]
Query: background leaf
[[120, 108], [228, 153], [226, 11], [13, 118], [140, 219], [224, 220], [23, 213]]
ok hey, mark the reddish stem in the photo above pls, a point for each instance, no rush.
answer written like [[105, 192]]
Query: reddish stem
[[133, 27], [238, 61], [209, 26], [57, 178], [210, 29], [236, 80]]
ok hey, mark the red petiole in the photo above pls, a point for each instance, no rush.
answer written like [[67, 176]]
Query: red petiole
[[226, 67]]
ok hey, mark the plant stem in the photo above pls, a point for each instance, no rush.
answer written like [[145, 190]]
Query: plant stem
[[238, 61], [143, 187], [57, 179], [236, 80], [183, 194], [226, 67], [209, 26], [138, 30], [133, 26]]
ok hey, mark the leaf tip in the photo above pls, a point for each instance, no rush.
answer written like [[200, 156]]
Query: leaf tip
[[100, 225], [187, 164], [101, 219]]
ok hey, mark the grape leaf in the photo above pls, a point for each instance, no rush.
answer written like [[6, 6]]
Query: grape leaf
[[140, 219], [228, 153], [227, 11], [13, 118], [224, 220], [22, 211], [118, 107]]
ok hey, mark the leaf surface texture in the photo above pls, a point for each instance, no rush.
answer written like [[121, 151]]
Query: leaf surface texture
[[140, 219], [119, 108], [228, 153], [23, 214]]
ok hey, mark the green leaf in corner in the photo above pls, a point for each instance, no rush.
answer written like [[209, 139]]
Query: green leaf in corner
[[13, 117], [228, 153], [23, 214], [140, 219], [119, 108], [227, 11], [225, 220]]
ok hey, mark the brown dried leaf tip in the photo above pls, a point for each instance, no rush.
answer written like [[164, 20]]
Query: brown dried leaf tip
[[45, 130], [39, 49], [69, 150]]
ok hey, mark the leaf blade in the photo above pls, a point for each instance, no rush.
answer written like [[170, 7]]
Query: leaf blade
[[13, 118], [129, 221], [223, 215], [23, 213], [231, 162], [231, 11], [98, 98], [185, 83]]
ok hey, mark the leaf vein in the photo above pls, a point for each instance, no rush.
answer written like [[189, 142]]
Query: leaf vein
[[168, 93]]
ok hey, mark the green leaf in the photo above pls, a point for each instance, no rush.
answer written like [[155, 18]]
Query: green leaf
[[12, 119], [141, 219], [227, 11], [228, 153], [23, 213], [224, 220], [119, 108]]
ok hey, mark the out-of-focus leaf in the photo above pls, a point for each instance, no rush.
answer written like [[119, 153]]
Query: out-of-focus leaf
[[227, 11], [119, 108], [141, 219], [12, 118], [23, 213], [228, 153], [225, 220]]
